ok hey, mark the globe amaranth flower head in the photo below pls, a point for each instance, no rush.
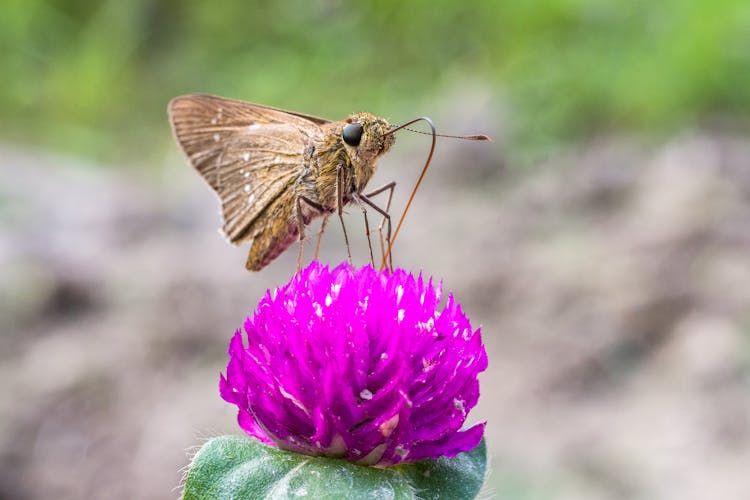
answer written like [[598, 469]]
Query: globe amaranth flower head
[[357, 364]]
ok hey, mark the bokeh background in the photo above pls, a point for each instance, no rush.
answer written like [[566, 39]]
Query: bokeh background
[[602, 241]]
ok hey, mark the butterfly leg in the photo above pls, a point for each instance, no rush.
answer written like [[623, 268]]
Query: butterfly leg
[[387, 219], [390, 187], [340, 209], [301, 225], [357, 198], [320, 234]]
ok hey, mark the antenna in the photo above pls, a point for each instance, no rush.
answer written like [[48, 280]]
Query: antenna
[[480, 137]]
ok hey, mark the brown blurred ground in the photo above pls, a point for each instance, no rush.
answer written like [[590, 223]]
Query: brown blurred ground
[[611, 283]]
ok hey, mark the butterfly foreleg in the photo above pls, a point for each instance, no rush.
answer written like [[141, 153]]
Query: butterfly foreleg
[[357, 198], [340, 208], [301, 225], [390, 187]]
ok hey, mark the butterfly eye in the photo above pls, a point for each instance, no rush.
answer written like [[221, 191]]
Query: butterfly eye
[[352, 134]]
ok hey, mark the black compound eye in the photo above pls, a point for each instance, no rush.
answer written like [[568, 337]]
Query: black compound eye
[[352, 134]]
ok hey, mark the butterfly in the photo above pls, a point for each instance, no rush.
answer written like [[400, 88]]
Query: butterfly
[[275, 171]]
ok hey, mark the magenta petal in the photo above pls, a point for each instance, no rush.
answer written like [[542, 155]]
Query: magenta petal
[[248, 423], [450, 447], [358, 364]]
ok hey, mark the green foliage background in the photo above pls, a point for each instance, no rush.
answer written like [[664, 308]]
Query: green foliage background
[[93, 78]]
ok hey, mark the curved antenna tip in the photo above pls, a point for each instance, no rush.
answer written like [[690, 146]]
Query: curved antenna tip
[[481, 137]]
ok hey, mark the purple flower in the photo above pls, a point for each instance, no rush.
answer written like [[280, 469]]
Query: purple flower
[[357, 364]]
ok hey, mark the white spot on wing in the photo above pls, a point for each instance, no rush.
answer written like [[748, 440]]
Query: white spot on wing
[[253, 127], [247, 188], [217, 137], [251, 199]]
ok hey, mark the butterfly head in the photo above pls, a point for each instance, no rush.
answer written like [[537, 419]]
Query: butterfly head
[[364, 136]]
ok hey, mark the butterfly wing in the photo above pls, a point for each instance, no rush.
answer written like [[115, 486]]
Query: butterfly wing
[[251, 155]]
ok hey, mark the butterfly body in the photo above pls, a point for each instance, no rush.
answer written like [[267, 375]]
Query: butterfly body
[[273, 170]]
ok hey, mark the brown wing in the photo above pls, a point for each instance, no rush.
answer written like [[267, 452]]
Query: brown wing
[[248, 153]]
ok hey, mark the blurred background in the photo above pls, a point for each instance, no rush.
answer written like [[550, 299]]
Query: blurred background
[[602, 241]]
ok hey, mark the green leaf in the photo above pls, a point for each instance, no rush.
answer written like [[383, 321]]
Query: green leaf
[[233, 467]]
